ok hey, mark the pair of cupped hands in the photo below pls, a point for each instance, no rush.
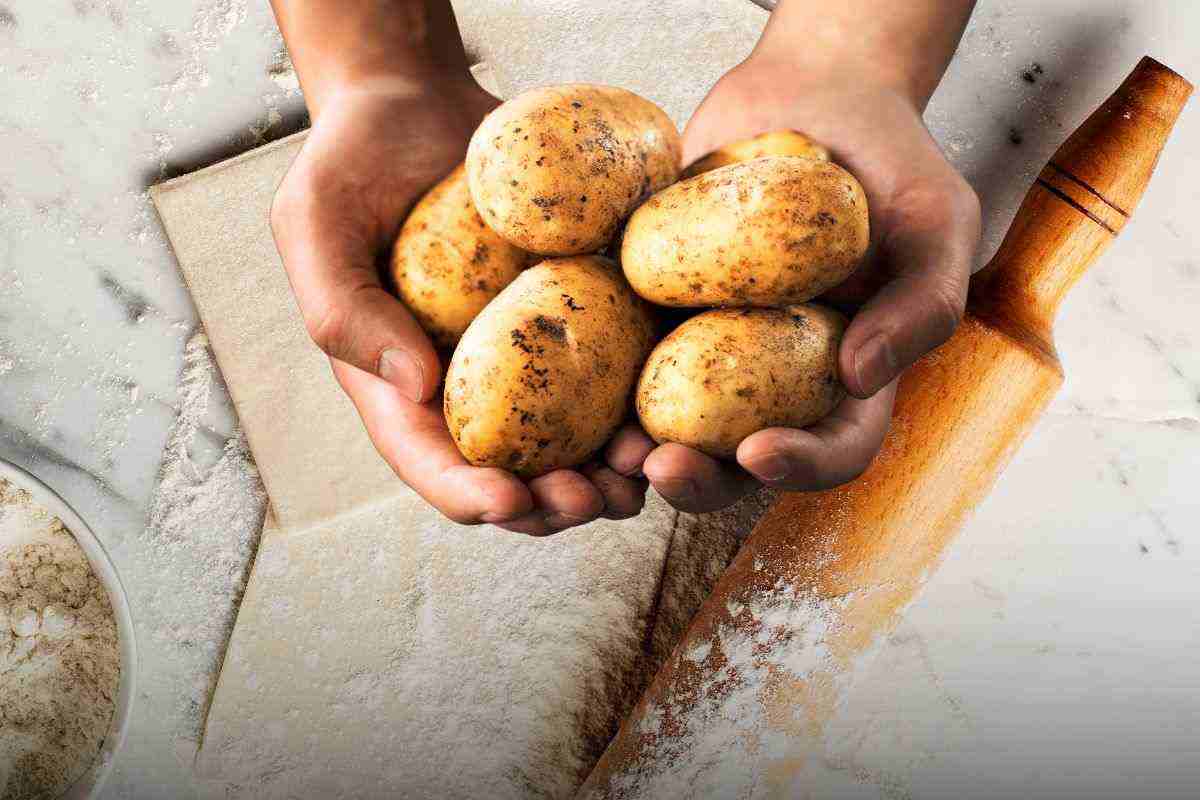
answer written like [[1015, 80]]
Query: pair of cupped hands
[[378, 145]]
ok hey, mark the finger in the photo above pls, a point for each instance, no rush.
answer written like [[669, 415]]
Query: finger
[[563, 499], [414, 440], [928, 246], [567, 497], [692, 481], [623, 497], [628, 450], [835, 450], [330, 262]]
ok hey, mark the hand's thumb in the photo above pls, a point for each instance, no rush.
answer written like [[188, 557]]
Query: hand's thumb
[[345, 307]]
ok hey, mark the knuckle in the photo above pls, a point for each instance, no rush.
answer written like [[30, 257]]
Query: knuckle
[[946, 304], [962, 207], [938, 203], [327, 327]]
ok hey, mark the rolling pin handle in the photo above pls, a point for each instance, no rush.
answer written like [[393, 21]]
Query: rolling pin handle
[[1080, 201]]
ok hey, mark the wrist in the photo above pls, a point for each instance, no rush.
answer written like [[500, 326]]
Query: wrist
[[419, 86], [901, 47], [803, 72], [340, 45], [812, 90]]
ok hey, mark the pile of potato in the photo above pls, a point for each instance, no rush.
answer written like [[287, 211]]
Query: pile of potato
[[502, 262]]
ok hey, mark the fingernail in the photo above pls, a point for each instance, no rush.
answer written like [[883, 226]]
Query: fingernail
[[676, 489], [561, 519], [874, 364], [404, 372], [492, 518], [771, 467]]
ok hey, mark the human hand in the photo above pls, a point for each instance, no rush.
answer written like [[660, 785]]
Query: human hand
[[374, 149], [925, 229]]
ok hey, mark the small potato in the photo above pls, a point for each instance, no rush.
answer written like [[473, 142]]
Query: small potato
[[447, 264], [555, 170], [767, 232], [728, 373], [542, 377], [775, 143]]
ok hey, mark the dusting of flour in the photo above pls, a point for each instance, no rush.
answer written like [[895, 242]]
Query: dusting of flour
[[205, 518], [715, 733], [210, 27]]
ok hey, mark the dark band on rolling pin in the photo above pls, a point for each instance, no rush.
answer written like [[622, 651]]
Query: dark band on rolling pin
[[1061, 195], [1087, 189]]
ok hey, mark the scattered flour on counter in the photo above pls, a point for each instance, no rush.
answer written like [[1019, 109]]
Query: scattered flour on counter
[[163, 145], [283, 74], [213, 22], [60, 658], [203, 530]]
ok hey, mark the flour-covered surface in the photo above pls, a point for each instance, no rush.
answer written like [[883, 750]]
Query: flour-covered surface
[[104, 98], [390, 653], [205, 518]]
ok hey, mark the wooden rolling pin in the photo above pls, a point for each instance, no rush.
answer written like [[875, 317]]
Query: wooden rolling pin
[[824, 576]]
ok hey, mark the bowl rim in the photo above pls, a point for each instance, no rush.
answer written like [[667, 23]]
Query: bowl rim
[[88, 784]]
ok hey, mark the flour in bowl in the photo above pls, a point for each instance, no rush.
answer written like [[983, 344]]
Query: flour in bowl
[[60, 660]]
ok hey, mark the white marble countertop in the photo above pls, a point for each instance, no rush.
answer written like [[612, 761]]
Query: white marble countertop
[[1054, 653]]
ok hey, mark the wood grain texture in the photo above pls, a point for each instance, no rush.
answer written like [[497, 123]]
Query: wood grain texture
[[862, 551]]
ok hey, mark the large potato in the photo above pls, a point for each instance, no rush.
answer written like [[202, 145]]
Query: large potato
[[774, 143], [556, 170], [542, 378], [727, 373], [767, 232], [447, 264]]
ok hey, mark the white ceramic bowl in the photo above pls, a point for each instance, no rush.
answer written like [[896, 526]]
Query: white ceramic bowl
[[89, 783]]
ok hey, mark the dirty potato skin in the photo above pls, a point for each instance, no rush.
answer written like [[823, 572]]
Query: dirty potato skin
[[555, 170], [542, 378], [447, 264], [728, 373], [767, 232], [774, 143]]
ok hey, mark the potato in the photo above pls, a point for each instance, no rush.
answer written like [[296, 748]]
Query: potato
[[767, 232], [542, 378], [727, 373], [447, 264], [775, 143], [555, 170]]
